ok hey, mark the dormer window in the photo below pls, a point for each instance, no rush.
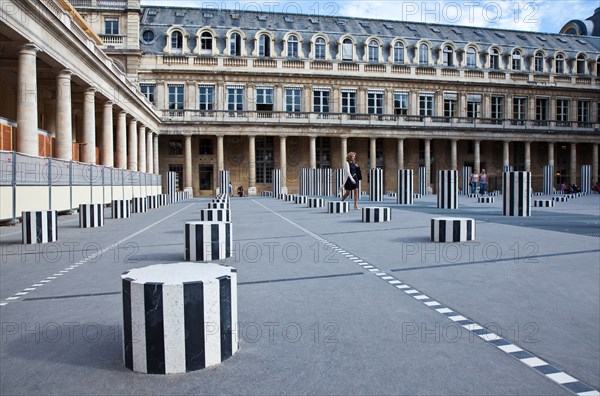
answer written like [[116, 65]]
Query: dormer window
[[580, 64], [206, 44], [292, 47], [235, 44], [448, 56], [423, 55], [177, 42], [373, 51], [559, 64], [539, 62], [347, 50], [398, 53], [494, 59], [320, 49], [516, 60], [471, 58], [264, 46]]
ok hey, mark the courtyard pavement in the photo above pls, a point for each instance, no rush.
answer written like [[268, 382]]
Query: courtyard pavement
[[327, 304]]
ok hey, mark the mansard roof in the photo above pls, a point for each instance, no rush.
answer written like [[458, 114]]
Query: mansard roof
[[159, 19]]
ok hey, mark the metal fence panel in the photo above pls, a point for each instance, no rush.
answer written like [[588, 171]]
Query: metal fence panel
[[6, 168], [32, 171]]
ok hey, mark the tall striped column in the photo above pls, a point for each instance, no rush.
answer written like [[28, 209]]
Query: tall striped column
[[179, 317], [422, 186], [586, 179], [339, 182], [327, 182], [447, 189], [277, 178], [548, 187], [172, 186], [376, 184], [223, 182], [405, 187], [516, 198], [466, 180]]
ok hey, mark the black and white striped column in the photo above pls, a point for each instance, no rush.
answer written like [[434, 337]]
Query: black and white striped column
[[172, 186], [586, 179], [267, 194], [543, 203], [548, 182], [179, 317], [507, 168], [466, 180], [339, 182], [338, 207], [277, 180], [376, 184], [163, 200], [218, 205], [208, 240], [376, 214], [452, 229], [215, 215], [138, 205], [417, 196], [315, 202], [152, 201], [121, 209], [282, 197], [290, 197], [563, 198], [39, 227], [422, 185], [405, 187], [516, 198], [91, 215], [224, 182], [447, 189], [300, 199], [486, 200]]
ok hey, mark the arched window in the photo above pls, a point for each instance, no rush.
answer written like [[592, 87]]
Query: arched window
[[264, 46], [235, 44], [423, 55], [347, 50], [373, 51], [399, 52], [206, 44], [516, 60], [448, 56], [471, 57], [292, 47], [539, 62], [176, 41], [494, 59], [559, 64], [580, 64], [320, 49]]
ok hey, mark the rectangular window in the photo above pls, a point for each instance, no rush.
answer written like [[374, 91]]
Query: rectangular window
[[450, 101], [563, 110], [206, 146], [321, 101], [497, 111], [149, 91], [111, 26], [349, 101], [375, 102], [347, 51], [519, 110], [235, 98], [541, 110], [473, 106], [175, 147], [401, 103], [205, 175], [206, 97], [176, 100], [264, 159], [293, 100], [426, 105], [264, 99], [583, 112]]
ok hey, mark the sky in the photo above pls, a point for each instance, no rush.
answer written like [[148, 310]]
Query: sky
[[547, 16]]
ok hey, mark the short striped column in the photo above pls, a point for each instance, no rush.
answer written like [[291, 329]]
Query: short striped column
[[422, 181], [473, 195], [452, 229], [376, 215], [267, 194], [417, 196], [486, 200], [405, 187], [339, 182], [315, 202], [152, 201], [179, 317], [208, 240], [282, 196], [495, 194], [277, 180], [376, 184], [290, 198], [538, 194], [586, 179], [543, 203], [300, 200], [172, 186], [338, 207], [215, 215], [447, 189], [121, 209], [163, 199], [466, 172], [563, 198], [224, 182], [39, 227], [138, 205], [91, 215], [218, 205], [548, 182], [516, 200]]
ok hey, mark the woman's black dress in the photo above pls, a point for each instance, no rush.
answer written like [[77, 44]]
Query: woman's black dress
[[349, 185]]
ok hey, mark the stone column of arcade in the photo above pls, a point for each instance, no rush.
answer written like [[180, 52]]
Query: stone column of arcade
[[594, 164], [155, 152], [505, 154], [528, 156], [64, 127], [149, 152], [132, 157], [283, 163], [573, 167], [88, 153], [107, 135], [427, 164], [313, 153], [372, 153], [477, 157], [453, 154], [27, 109], [252, 166], [400, 153], [142, 149], [121, 143], [187, 164]]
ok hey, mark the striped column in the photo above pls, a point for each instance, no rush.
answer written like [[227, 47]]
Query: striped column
[[452, 229], [152, 201], [163, 199], [91, 215], [327, 182], [218, 205], [139, 205], [277, 177], [586, 179], [339, 182], [267, 194], [223, 182], [376, 215], [315, 202], [376, 184], [39, 227], [447, 189], [563, 198], [179, 317], [172, 186], [507, 168], [121, 209], [516, 187], [486, 200], [405, 187], [543, 203], [422, 186], [338, 207], [548, 182], [466, 180], [208, 240], [300, 199], [215, 215]]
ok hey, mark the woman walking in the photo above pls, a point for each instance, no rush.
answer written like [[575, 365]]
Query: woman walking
[[351, 183]]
